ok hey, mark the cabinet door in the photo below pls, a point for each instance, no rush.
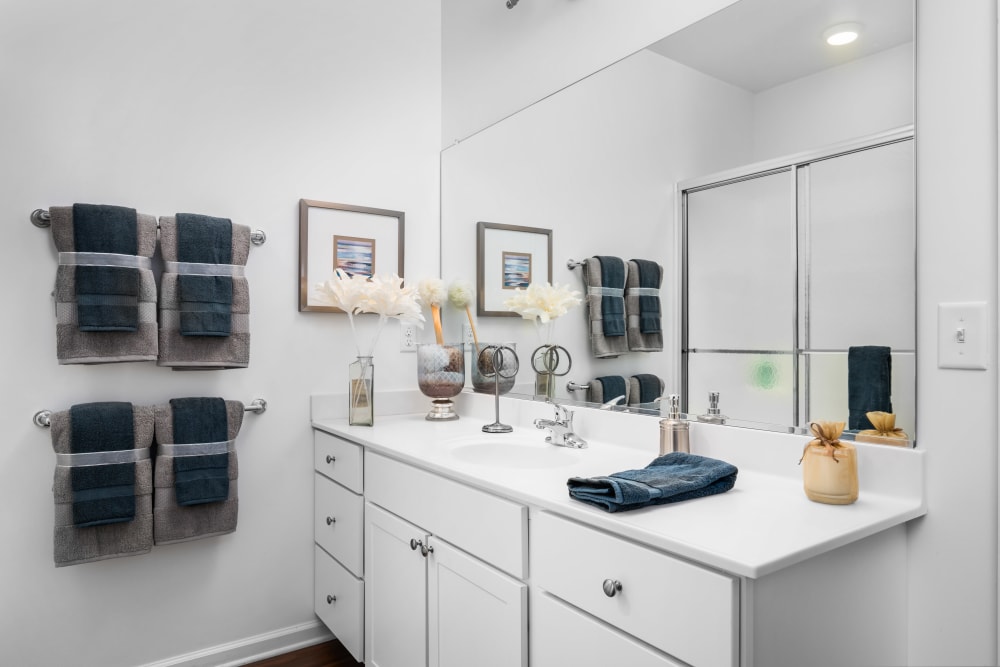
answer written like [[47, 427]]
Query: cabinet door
[[476, 614], [395, 592]]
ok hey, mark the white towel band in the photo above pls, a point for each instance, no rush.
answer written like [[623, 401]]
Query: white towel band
[[105, 259], [194, 448], [606, 291], [196, 269], [102, 458], [644, 291]]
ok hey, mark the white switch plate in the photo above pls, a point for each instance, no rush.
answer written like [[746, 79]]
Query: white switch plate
[[963, 332]]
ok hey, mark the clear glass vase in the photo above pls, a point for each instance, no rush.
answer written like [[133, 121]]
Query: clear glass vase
[[361, 375], [440, 376], [481, 368]]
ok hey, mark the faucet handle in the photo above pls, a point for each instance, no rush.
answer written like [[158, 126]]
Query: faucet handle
[[562, 413]]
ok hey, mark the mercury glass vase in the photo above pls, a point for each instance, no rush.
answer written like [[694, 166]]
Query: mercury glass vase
[[481, 368], [361, 374], [441, 376]]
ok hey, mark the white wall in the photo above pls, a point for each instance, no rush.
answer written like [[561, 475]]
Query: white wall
[[235, 108], [596, 164], [499, 60]]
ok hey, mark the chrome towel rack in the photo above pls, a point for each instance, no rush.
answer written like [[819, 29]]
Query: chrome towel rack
[[41, 218], [43, 418], [572, 263]]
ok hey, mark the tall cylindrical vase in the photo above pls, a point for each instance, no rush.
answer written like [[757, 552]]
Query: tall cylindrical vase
[[361, 374]]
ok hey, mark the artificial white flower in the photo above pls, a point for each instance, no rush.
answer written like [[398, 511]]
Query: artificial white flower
[[432, 291], [542, 302], [344, 291], [388, 297], [460, 293]]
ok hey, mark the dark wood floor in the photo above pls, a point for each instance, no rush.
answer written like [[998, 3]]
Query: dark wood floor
[[329, 654]]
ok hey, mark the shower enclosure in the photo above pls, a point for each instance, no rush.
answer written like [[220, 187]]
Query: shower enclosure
[[788, 264]]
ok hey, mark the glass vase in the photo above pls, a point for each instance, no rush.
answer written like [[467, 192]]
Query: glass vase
[[484, 380], [549, 363], [361, 375], [440, 376]]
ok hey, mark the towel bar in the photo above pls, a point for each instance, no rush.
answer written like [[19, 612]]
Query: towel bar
[[573, 386], [43, 418], [572, 264], [42, 219]]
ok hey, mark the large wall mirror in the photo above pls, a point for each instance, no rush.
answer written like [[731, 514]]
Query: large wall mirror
[[602, 164]]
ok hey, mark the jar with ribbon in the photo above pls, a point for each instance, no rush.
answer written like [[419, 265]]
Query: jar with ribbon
[[884, 431], [829, 466]]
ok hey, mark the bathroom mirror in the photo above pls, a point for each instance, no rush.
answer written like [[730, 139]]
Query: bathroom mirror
[[599, 163]]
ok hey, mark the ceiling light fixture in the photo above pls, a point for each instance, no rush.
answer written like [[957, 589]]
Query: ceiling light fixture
[[842, 33]]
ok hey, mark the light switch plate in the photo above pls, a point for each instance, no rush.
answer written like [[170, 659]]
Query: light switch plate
[[963, 333]]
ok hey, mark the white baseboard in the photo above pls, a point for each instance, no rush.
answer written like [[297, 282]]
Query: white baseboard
[[252, 649]]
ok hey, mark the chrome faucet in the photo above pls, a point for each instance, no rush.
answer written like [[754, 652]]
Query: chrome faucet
[[561, 428]]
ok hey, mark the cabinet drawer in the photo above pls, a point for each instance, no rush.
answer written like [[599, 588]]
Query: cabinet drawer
[[339, 602], [491, 528], [562, 635], [338, 523], [686, 610], [338, 459]]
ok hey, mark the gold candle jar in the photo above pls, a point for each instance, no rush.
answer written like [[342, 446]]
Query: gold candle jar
[[829, 467]]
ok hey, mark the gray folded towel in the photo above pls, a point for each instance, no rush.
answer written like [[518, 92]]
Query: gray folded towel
[[73, 545], [224, 337], [644, 388], [174, 522], [607, 387], [601, 346], [104, 313], [642, 306]]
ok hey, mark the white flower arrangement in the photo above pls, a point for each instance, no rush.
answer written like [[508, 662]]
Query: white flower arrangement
[[432, 293], [542, 303]]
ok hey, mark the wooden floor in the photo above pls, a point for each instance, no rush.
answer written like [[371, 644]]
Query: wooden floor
[[329, 654]]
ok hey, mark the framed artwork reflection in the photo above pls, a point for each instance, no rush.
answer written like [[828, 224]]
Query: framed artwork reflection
[[509, 257], [359, 240]]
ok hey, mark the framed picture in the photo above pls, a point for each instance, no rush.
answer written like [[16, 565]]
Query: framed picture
[[356, 239], [509, 257]]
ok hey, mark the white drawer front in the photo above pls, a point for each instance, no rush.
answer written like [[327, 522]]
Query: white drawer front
[[338, 523], [686, 610], [339, 603], [562, 635], [338, 459], [491, 528]]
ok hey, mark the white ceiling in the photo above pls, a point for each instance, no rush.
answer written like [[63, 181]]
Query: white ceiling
[[759, 44]]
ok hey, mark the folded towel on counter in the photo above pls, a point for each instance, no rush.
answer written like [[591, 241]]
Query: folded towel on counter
[[105, 292], [103, 482], [669, 478], [598, 297], [642, 306], [645, 388], [204, 295], [195, 480], [607, 387], [869, 383]]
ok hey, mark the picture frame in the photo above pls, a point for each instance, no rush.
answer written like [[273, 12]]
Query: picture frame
[[357, 239], [509, 257]]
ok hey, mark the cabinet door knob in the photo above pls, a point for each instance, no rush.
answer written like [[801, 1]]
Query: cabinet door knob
[[330, 458], [612, 587], [414, 543], [426, 550], [330, 599], [330, 520]]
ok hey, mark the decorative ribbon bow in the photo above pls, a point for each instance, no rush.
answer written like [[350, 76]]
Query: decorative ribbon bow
[[885, 425], [827, 434]]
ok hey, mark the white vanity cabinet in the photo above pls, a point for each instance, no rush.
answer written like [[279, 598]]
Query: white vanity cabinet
[[435, 591], [338, 525]]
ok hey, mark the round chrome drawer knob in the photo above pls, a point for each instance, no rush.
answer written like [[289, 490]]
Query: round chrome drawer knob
[[414, 543], [330, 520], [330, 459], [612, 587], [330, 599]]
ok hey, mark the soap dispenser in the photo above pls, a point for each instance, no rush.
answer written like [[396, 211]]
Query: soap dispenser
[[714, 414], [674, 432]]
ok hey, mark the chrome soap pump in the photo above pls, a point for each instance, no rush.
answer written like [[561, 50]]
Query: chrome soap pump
[[674, 432], [714, 414]]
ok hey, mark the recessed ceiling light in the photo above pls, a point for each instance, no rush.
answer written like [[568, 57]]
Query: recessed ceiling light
[[843, 33]]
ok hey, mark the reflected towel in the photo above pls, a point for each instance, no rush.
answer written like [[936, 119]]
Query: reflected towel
[[643, 307], [869, 384], [607, 387], [613, 295], [73, 544], [602, 347], [104, 314], [669, 478], [645, 388]]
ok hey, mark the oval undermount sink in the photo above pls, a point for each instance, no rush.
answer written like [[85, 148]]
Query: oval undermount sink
[[516, 453]]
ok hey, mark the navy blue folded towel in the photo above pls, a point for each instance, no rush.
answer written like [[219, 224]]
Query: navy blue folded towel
[[107, 297], [869, 384], [612, 307], [650, 388], [206, 302], [102, 494], [202, 478], [669, 478], [612, 386], [649, 305]]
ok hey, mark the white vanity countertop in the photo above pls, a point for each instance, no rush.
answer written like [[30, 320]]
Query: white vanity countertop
[[763, 524]]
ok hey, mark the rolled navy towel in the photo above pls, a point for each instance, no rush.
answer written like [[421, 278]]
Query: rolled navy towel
[[669, 478]]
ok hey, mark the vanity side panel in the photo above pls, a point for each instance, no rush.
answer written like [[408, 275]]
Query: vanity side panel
[[846, 607]]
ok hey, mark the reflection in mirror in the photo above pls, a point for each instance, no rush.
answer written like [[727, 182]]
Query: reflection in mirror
[[599, 162]]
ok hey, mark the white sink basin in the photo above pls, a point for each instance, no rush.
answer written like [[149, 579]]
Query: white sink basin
[[507, 451]]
